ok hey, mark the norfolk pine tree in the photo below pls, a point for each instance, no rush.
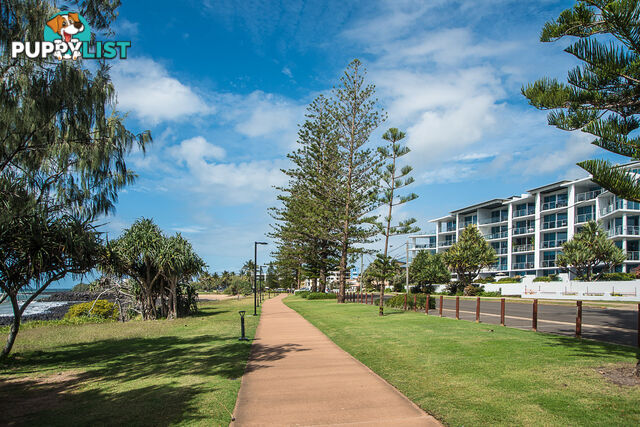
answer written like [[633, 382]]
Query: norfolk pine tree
[[356, 115], [601, 96], [393, 180]]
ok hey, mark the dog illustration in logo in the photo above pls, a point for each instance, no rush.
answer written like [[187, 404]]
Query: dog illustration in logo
[[67, 26]]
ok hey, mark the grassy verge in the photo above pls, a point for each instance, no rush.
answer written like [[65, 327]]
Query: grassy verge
[[474, 374], [185, 371]]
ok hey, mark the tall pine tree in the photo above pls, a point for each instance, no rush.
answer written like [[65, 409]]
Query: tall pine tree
[[601, 96], [356, 114]]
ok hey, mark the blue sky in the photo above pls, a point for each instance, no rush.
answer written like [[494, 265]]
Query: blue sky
[[223, 85]]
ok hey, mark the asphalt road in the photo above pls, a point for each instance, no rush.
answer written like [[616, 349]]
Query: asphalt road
[[613, 325]]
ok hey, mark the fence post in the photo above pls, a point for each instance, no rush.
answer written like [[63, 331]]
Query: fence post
[[478, 310], [534, 320], [441, 300], [458, 308], [415, 302], [501, 311], [579, 319], [426, 304], [405, 302]]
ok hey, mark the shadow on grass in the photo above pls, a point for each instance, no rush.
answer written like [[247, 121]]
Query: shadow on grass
[[58, 402], [591, 348]]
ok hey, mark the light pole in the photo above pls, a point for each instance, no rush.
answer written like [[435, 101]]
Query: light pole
[[255, 276]]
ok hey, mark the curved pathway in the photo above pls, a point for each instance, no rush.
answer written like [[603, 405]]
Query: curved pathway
[[298, 376]]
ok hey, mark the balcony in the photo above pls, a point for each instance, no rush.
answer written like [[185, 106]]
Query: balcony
[[446, 243], [548, 263], [554, 224], [425, 246], [466, 224], [585, 218], [633, 256], [523, 248], [554, 205], [632, 230], [524, 230], [501, 251], [498, 267], [612, 207], [589, 195], [499, 235], [552, 244], [524, 212], [493, 221], [522, 265]]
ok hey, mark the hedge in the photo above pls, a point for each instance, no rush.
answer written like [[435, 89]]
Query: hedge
[[614, 277], [398, 301], [321, 295]]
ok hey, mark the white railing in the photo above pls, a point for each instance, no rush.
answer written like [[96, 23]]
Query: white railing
[[501, 251], [524, 230], [548, 263], [524, 212], [554, 205], [589, 195], [633, 256], [446, 243], [523, 248], [499, 235], [554, 224], [584, 218], [522, 265], [552, 243]]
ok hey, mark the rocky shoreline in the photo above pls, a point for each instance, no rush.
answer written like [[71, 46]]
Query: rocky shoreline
[[76, 296], [54, 313]]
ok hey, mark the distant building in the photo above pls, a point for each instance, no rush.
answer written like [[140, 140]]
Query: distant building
[[527, 231]]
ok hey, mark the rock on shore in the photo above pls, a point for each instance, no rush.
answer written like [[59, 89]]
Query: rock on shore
[[54, 313]]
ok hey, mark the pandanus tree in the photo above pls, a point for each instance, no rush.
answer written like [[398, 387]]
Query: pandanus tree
[[63, 147], [178, 262], [601, 94]]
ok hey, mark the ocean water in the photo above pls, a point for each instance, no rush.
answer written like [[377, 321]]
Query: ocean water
[[36, 307]]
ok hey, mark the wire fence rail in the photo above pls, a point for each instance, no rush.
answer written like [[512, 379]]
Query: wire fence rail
[[623, 324]]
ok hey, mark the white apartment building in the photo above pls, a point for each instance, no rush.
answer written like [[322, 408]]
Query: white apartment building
[[527, 231]]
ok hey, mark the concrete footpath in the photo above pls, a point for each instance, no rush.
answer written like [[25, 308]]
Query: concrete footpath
[[297, 376]]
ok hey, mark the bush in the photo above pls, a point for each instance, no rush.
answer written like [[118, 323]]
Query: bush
[[549, 278], [321, 295], [615, 277], [103, 309], [486, 280], [490, 294], [187, 299], [516, 279], [471, 290], [303, 294], [454, 288], [398, 301]]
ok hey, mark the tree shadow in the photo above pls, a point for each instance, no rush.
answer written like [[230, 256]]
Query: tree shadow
[[56, 401], [262, 354], [591, 348]]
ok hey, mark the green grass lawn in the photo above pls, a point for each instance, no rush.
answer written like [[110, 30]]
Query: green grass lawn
[[476, 374], [185, 371]]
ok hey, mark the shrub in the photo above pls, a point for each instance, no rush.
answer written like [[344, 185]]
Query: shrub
[[303, 294], [614, 277], [421, 299], [103, 309], [454, 288], [471, 290], [187, 300], [490, 294], [321, 295], [516, 279], [486, 280], [542, 279]]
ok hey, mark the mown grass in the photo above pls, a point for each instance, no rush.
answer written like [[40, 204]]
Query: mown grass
[[476, 374], [184, 371]]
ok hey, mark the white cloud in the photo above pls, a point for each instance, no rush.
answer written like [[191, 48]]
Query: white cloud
[[146, 88], [263, 114], [287, 72], [227, 183], [446, 174]]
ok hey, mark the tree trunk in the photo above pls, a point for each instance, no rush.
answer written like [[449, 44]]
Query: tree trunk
[[314, 284], [323, 280], [636, 370], [173, 312], [343, 269], [381, 309], [15, 326]]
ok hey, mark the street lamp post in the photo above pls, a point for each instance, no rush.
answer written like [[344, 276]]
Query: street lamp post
[[255, 276]]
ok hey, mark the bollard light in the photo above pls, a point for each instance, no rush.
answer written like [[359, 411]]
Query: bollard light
[[242, 338]]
